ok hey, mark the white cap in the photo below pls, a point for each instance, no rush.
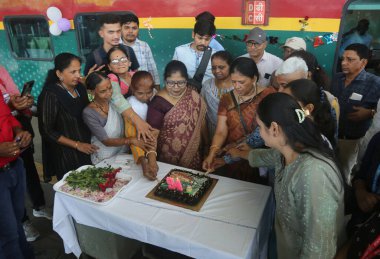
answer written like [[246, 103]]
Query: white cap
[[295, 43]]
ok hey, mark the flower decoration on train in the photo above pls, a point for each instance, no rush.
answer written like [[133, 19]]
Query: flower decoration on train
[[304, 23], [59, 24], [329, 38], [318, 41], [149, 26]]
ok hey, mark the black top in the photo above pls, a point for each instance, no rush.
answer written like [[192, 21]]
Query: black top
[[59, 114], [92, 60]]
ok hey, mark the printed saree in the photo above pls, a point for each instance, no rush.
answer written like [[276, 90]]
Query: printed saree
[[180, 135], [241, 169]]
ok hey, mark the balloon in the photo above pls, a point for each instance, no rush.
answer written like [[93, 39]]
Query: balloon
[[54, 29], [64, 24], [54, 14]]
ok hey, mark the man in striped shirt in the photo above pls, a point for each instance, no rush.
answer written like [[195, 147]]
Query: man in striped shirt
[[129, 34]]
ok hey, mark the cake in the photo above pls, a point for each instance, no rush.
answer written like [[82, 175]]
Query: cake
[[184, 187]]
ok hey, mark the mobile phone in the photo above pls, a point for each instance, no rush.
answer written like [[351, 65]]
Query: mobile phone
[[27, 89]]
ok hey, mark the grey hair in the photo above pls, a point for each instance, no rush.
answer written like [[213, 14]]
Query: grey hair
[[291, 65]]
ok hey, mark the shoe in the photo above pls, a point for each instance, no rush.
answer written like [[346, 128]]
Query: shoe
[[30, 232], [42, 213]]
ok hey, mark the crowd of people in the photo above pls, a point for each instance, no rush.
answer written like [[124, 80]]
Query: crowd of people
[[255, 118]]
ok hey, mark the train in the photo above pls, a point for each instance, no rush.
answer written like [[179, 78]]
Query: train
[[27, 48]]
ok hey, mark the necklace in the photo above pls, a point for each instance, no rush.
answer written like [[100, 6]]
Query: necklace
[[176, 97], [220, 90], [105, 111], [254, 89], [69, 92]]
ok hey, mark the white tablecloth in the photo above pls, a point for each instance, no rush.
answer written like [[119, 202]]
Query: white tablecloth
[[234, 222]]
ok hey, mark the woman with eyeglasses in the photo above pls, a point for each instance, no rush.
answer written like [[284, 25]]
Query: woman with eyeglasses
[[237, 120], [120, 76], [118, 65], [178, 112]]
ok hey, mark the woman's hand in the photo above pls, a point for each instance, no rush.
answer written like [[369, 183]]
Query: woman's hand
[[242, 150], [149, 169], [208, 163], [151, 173], [146, 146], [95, 68], [144, 130], [86, 148]]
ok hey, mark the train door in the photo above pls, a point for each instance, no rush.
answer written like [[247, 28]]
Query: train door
[[360, 23]]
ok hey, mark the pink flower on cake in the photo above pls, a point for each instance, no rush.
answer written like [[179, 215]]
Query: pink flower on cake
[[178, 185], [171, 183]]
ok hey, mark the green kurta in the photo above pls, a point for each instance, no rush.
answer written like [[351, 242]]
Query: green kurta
[[309, 219]]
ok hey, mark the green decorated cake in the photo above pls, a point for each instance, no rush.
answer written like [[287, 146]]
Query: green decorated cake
[[182, 186]]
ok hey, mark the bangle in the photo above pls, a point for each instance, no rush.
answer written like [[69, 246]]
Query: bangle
[[76, 145], [214, 147], [151, 151]]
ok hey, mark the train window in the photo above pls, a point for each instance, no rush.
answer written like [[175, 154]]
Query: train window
[[28, 37], [87, 27]]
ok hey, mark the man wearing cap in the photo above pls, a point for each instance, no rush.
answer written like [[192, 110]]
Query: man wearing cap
[[267, 63], [292, 44]]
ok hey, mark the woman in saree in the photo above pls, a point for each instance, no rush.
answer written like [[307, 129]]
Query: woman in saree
[[178, 112], [214, 88], [237, 119], [106, 124]]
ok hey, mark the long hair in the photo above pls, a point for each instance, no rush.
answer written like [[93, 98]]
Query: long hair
[[61, 62], [301, 135], [307, 92], [318, 74]]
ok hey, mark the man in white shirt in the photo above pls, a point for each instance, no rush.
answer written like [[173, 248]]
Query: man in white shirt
[[267, 63], [191, 53], [129, 37]]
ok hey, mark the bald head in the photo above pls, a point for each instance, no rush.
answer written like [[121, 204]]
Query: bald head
[[291, 69]]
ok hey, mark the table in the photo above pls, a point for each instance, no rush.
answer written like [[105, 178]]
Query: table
[[234, 222]]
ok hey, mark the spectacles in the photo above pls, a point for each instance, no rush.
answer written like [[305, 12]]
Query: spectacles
[[252, 43], [170, 83], [120, 60]]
